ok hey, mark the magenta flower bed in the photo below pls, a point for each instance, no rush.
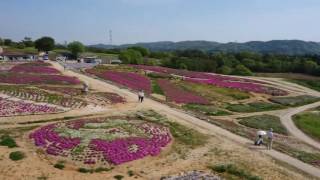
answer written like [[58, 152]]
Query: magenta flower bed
[[22, 68], [19, 78], [12, 108], [179, 95], [131, 80], [218, 80], [113, 141], [242, 86]]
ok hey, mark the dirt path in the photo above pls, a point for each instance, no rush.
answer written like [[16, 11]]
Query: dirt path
[[286, 119], [288, 86], [189, 120]]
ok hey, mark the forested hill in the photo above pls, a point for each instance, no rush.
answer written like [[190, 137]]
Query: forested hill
[[289, 47]]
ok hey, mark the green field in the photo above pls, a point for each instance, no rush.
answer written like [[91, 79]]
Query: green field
[[214, 93], [206, 109], [264, 122], [253, 107], [309, 123], [294, 100], [312, 84]]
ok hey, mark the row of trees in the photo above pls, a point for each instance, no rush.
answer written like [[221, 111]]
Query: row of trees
[[44, 44], [243, 63]]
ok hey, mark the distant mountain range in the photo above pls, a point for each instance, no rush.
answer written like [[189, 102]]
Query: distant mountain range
[[290, 47]]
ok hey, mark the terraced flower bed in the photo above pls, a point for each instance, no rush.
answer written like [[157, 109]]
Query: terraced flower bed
[[129, 79], [22, 68], [12, 108], [39, 95], [217, 80], [102, 141], [19, 78], [63, 90], [178, 95]]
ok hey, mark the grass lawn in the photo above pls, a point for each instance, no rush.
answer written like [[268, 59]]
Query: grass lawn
[[214, 93], [25, 50], [253, 107], [295, 100], [264, 122], [309, 123], [156, 88], [312, 84], [206, 109]]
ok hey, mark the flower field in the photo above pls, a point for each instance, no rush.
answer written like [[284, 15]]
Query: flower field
[[34, 73], [22, 68], [179, 95], [39, 95], [129, 79], [102, 140], [19, 78], [63, 90], [217, 80], [12, 108]]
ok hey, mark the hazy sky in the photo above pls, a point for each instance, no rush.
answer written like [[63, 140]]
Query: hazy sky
[[160, 20]]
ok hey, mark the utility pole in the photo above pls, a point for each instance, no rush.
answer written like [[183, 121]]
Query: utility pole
[[110, 37]]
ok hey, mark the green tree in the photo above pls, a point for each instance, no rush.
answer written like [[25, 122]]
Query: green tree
[[310, 67], [144, 52], [224, 70], [76, 48], [183, 66], [1, 42], [44, 44], [27, 41], [242, 70], [20, 45], [250, 63], [131, 56], [7, 42]]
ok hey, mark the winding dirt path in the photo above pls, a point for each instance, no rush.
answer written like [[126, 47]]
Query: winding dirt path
[[286, 119], [183, 118]]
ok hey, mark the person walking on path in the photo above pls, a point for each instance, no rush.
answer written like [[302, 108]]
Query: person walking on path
[[270, 139], [141, 96], [85, 87]]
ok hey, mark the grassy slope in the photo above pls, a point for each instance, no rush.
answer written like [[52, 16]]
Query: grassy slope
[[253, 107], [264, 122], [215, 93], [206, 109], [309, 123]]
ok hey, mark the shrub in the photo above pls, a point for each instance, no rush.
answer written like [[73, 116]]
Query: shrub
[[84, 170], [118, 177], [101, 169], [16, 155], [59, 166], [8, 141], [130, 173]]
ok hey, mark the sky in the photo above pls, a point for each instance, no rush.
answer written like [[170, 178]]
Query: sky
[[131, 21]]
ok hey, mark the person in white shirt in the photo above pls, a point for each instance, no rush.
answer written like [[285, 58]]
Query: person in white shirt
[[141, 96], [270, 139]]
